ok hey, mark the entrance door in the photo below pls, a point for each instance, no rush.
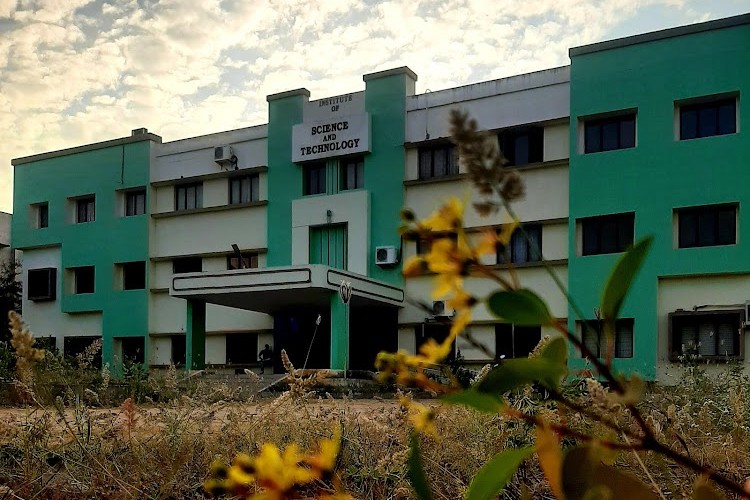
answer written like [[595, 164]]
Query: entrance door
[[329, 245]]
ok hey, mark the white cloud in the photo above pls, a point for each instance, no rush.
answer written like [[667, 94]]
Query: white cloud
[[78, 71]]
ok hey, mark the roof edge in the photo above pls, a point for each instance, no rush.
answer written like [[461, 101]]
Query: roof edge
[[148, 136]]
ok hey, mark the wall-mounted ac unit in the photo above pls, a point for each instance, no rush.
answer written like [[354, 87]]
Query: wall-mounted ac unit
[[224, 155], [386, 256], [439, 309]]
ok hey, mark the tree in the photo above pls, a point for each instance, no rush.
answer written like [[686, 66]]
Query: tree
[[10, 294]]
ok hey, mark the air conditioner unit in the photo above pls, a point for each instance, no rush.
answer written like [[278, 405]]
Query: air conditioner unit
[[386, 256], [439, 310], [224, 154]]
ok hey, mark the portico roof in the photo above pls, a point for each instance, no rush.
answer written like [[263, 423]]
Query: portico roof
[[275, 289]]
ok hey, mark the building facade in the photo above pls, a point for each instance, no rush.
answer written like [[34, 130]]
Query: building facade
[[201, 251]]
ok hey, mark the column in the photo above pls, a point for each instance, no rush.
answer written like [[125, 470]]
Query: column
[[339, 333], [195, 341]]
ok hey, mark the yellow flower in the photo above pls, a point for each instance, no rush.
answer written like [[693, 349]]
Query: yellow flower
[[420, 416], [460, 322], [414, 266], [447, 217], [435, 352], [325, 459]]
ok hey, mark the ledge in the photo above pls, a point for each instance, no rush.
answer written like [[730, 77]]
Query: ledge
[[218, 175], [289, 93], [524, 265], [204, 210], [159, 290], [542, 222], [209, 254], [435, 180]]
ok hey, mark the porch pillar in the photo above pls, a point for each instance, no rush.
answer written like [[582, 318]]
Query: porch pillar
[[339, 333], [195, 341]]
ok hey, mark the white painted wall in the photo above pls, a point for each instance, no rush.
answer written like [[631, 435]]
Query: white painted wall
[[726, 291], [161, 351], [352, 208], [216, 350], [556, 142], [45, 318]]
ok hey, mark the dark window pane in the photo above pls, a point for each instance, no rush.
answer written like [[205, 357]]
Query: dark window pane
[[534, 234], [43, 220], [187, 265], [624, 339], [590, 336], [610, 136], [609, 235], [437, 162], [41, 284], [84, 279], [706, 228], [425, 164], [178, 350], [727, 118], [440, 166], [707, 121], [525, 339], [727, 227], [503, 340], [593, 138], [133, 349], [522, 149], [134, 276], [625, 233], [234, 191], [590, 237], [688, 229], [627, 133], [242, 348], [688, 124]]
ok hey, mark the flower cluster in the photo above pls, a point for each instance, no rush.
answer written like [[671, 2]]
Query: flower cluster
[[23, 343], [274, 474]]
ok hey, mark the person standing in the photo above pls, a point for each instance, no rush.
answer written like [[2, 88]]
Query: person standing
[[265, 355]]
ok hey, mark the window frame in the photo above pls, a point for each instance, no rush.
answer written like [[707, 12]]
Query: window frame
[[321, 187], [451, 166], [85, 207], [78, 280], [600, 220], [705, 103], [532, 254], [508, 142], [357, 164], [183, 261], [715, 212], [51, 280], [40, 214], [514, 331], [597, 326], [252, 192], [126, 268], [250, 257], [128, 196], [739, 339], [602, 121], [181, 193]]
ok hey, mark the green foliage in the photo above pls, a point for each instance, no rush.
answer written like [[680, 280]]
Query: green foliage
[[496, 473], [622, 277], [417, 475], [472, 398], [520, 307], [10, 294]]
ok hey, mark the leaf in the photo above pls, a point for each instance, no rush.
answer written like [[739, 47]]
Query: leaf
[[550, 458], [635, 389], [520, 307], [512, 373], [556, 350], [585, 477], [417, 476], [492, 478], [622, 277], [477, 400], [704, 491]]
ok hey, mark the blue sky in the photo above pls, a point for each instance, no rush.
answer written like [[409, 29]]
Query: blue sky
[[78, 71]]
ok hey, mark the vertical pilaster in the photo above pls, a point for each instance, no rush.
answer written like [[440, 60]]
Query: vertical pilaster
[[339, 333], [195, 342]]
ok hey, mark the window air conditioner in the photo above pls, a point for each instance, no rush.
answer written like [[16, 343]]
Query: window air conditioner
[[224, 154], [439, 310], [386, 256]]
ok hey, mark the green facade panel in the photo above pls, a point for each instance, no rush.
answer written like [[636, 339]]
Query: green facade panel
[[660, 174]]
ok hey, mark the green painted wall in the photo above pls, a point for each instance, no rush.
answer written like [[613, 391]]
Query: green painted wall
[[660, 173], [108, 240]]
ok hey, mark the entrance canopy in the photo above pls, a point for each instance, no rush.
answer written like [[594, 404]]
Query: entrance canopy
[[273, 290]]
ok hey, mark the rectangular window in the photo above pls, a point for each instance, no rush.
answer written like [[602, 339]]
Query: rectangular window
[[85, 209], [607, 234], [314, 178], [707, 226], [707, 119], [706, 334], [595, 339], [187, 265], [41, 215], [134, 275], [353, 173], [437, 161], [607, 134], [84, 279], [188, 196], [133, 349], [523, 247], [248, 261], [75, 347], [523, 145], [243, 189], [513, 341], [179, 350], [135, 202], [41, 284]]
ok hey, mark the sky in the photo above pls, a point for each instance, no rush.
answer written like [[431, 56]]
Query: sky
[[73, 72]]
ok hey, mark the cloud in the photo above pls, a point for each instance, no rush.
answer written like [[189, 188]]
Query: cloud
[[80, 71]]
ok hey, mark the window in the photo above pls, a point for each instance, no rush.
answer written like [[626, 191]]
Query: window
[[315, 178], [41, 215], [135, 202], [75, 347], [595, 339], [607, 134], [84, 281], [513, 341], [437, 161], [243, 189], [707, 226], [607, 234], [133, 349], [522, 145], [707, 334], [41, 284], [353, 173], [707, 119], [188, 196], [249, 261], [134, 275], [523, 247], [179, 350], [85, 209], [242, 348], [187, 265]]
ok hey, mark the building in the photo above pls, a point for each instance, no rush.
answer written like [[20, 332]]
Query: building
[[201, 251], [6, 250]]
